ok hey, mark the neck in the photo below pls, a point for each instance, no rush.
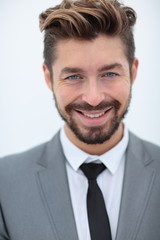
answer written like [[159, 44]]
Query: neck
[[96, 149]]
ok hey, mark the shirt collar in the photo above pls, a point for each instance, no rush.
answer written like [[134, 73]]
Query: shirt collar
[[111, 159]]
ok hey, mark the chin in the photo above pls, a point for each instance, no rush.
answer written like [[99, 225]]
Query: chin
[[95, 135]]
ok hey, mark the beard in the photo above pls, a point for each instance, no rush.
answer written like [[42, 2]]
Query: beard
[[93, 134]]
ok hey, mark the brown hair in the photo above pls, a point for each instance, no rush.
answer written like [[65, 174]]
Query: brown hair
[[85, 19]]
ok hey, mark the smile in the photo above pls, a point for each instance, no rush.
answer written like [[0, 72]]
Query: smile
[[92, 118], [93, 115]]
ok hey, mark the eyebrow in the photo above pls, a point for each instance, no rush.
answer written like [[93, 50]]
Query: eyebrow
[[70, 70], [110, 66]]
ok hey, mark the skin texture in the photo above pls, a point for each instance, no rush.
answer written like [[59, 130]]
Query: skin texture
[[92, 78]]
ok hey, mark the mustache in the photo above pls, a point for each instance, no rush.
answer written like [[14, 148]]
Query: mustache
[[87, 107]]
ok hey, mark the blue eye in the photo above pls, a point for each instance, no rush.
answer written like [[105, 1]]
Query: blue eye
[[110, 74], [73, 77]]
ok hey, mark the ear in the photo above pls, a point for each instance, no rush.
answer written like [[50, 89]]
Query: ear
[[47, 77], [134, 69]]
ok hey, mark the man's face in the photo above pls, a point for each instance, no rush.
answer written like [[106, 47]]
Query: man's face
[[92, 86]]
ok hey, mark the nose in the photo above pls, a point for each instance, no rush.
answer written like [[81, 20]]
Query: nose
[[93, 93]]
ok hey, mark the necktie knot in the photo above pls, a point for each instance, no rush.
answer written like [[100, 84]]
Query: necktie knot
[[92, 170]]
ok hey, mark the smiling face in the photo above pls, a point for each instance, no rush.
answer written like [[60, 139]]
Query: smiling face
[[92, 85]]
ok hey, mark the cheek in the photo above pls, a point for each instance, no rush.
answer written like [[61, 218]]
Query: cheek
[[120, 92], [123, 93], [63, 97], [66, 93]]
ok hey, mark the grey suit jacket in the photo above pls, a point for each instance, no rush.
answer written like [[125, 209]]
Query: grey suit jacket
[[35, 201]]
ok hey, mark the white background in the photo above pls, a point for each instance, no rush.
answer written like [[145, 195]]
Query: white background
[[27, 112]]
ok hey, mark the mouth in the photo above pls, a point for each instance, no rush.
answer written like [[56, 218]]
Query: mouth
[[95, 114], [94, 118]]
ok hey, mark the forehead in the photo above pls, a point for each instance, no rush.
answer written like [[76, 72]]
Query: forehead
[[101, 50]]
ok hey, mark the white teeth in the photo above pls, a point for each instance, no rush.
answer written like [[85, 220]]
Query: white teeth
[[93, 115]]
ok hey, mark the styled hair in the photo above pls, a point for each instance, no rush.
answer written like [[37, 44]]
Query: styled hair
[[85, 20]]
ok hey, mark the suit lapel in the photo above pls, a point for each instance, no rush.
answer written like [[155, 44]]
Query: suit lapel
[[138, 181], [54, 191]]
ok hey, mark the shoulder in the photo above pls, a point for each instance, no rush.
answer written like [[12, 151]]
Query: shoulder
[[28, 159], [152, 148], [21, 171], [30, 155], [145, 147]]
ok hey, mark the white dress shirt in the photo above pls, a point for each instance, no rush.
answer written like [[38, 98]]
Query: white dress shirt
[[110, 182]]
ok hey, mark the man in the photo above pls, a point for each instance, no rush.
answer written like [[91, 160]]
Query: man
[[50, 192]]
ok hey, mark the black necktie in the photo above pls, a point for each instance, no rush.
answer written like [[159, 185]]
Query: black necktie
[[97, 214]]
